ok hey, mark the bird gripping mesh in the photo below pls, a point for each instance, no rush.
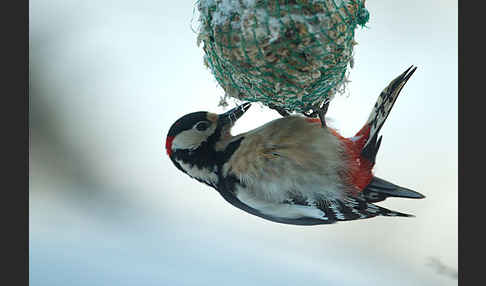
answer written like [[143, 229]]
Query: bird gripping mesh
[[292, 54]]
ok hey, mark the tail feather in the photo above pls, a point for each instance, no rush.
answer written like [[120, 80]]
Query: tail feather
[[357, 208], [380, 112], [379, 189], [371, 150], [387, 212]]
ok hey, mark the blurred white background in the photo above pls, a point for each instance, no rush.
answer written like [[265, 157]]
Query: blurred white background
[[107, 207]]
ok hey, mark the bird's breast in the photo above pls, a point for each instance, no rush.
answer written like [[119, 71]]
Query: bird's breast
[[286, 155]]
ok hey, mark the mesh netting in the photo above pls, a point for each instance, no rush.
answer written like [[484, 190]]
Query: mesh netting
[[292, 54]]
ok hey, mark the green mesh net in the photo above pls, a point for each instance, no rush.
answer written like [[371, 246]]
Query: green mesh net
[[290, 54]]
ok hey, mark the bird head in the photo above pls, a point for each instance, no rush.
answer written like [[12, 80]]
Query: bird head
[[191, 140]]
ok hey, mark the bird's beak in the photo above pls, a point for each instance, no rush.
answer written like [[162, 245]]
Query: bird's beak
[[230, 116]]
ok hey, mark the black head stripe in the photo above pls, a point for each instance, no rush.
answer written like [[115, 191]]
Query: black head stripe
[[186, 122]]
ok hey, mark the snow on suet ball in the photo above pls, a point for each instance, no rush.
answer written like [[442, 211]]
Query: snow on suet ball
[[292, 54]]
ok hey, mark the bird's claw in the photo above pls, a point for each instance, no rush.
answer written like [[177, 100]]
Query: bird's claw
[[322, 113], [280, 110]]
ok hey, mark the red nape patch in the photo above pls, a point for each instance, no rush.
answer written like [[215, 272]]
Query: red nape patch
[[168, 145]]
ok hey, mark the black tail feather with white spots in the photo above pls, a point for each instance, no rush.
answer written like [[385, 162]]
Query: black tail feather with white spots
[[381, 110], [355, 208]]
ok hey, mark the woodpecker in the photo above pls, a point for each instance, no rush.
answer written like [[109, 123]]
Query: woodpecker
[[292, 170]]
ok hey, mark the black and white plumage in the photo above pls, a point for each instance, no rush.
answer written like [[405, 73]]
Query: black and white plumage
[[291, 170]]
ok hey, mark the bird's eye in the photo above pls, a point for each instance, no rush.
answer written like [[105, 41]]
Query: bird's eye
[[201, 126]]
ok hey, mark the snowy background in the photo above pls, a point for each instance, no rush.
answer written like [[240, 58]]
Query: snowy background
[[107, 207]]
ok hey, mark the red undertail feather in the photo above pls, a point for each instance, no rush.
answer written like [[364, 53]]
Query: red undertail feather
[[360, 168]]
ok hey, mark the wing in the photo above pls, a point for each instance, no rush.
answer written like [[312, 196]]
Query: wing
[[300, 220], [299, 211]]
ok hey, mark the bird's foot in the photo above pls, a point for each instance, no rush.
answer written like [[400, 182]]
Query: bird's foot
[[319, 111], [322, 113], [280, 110]]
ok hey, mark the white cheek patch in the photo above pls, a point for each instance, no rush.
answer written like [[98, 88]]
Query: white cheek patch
[[191, 139], [207, 175]]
